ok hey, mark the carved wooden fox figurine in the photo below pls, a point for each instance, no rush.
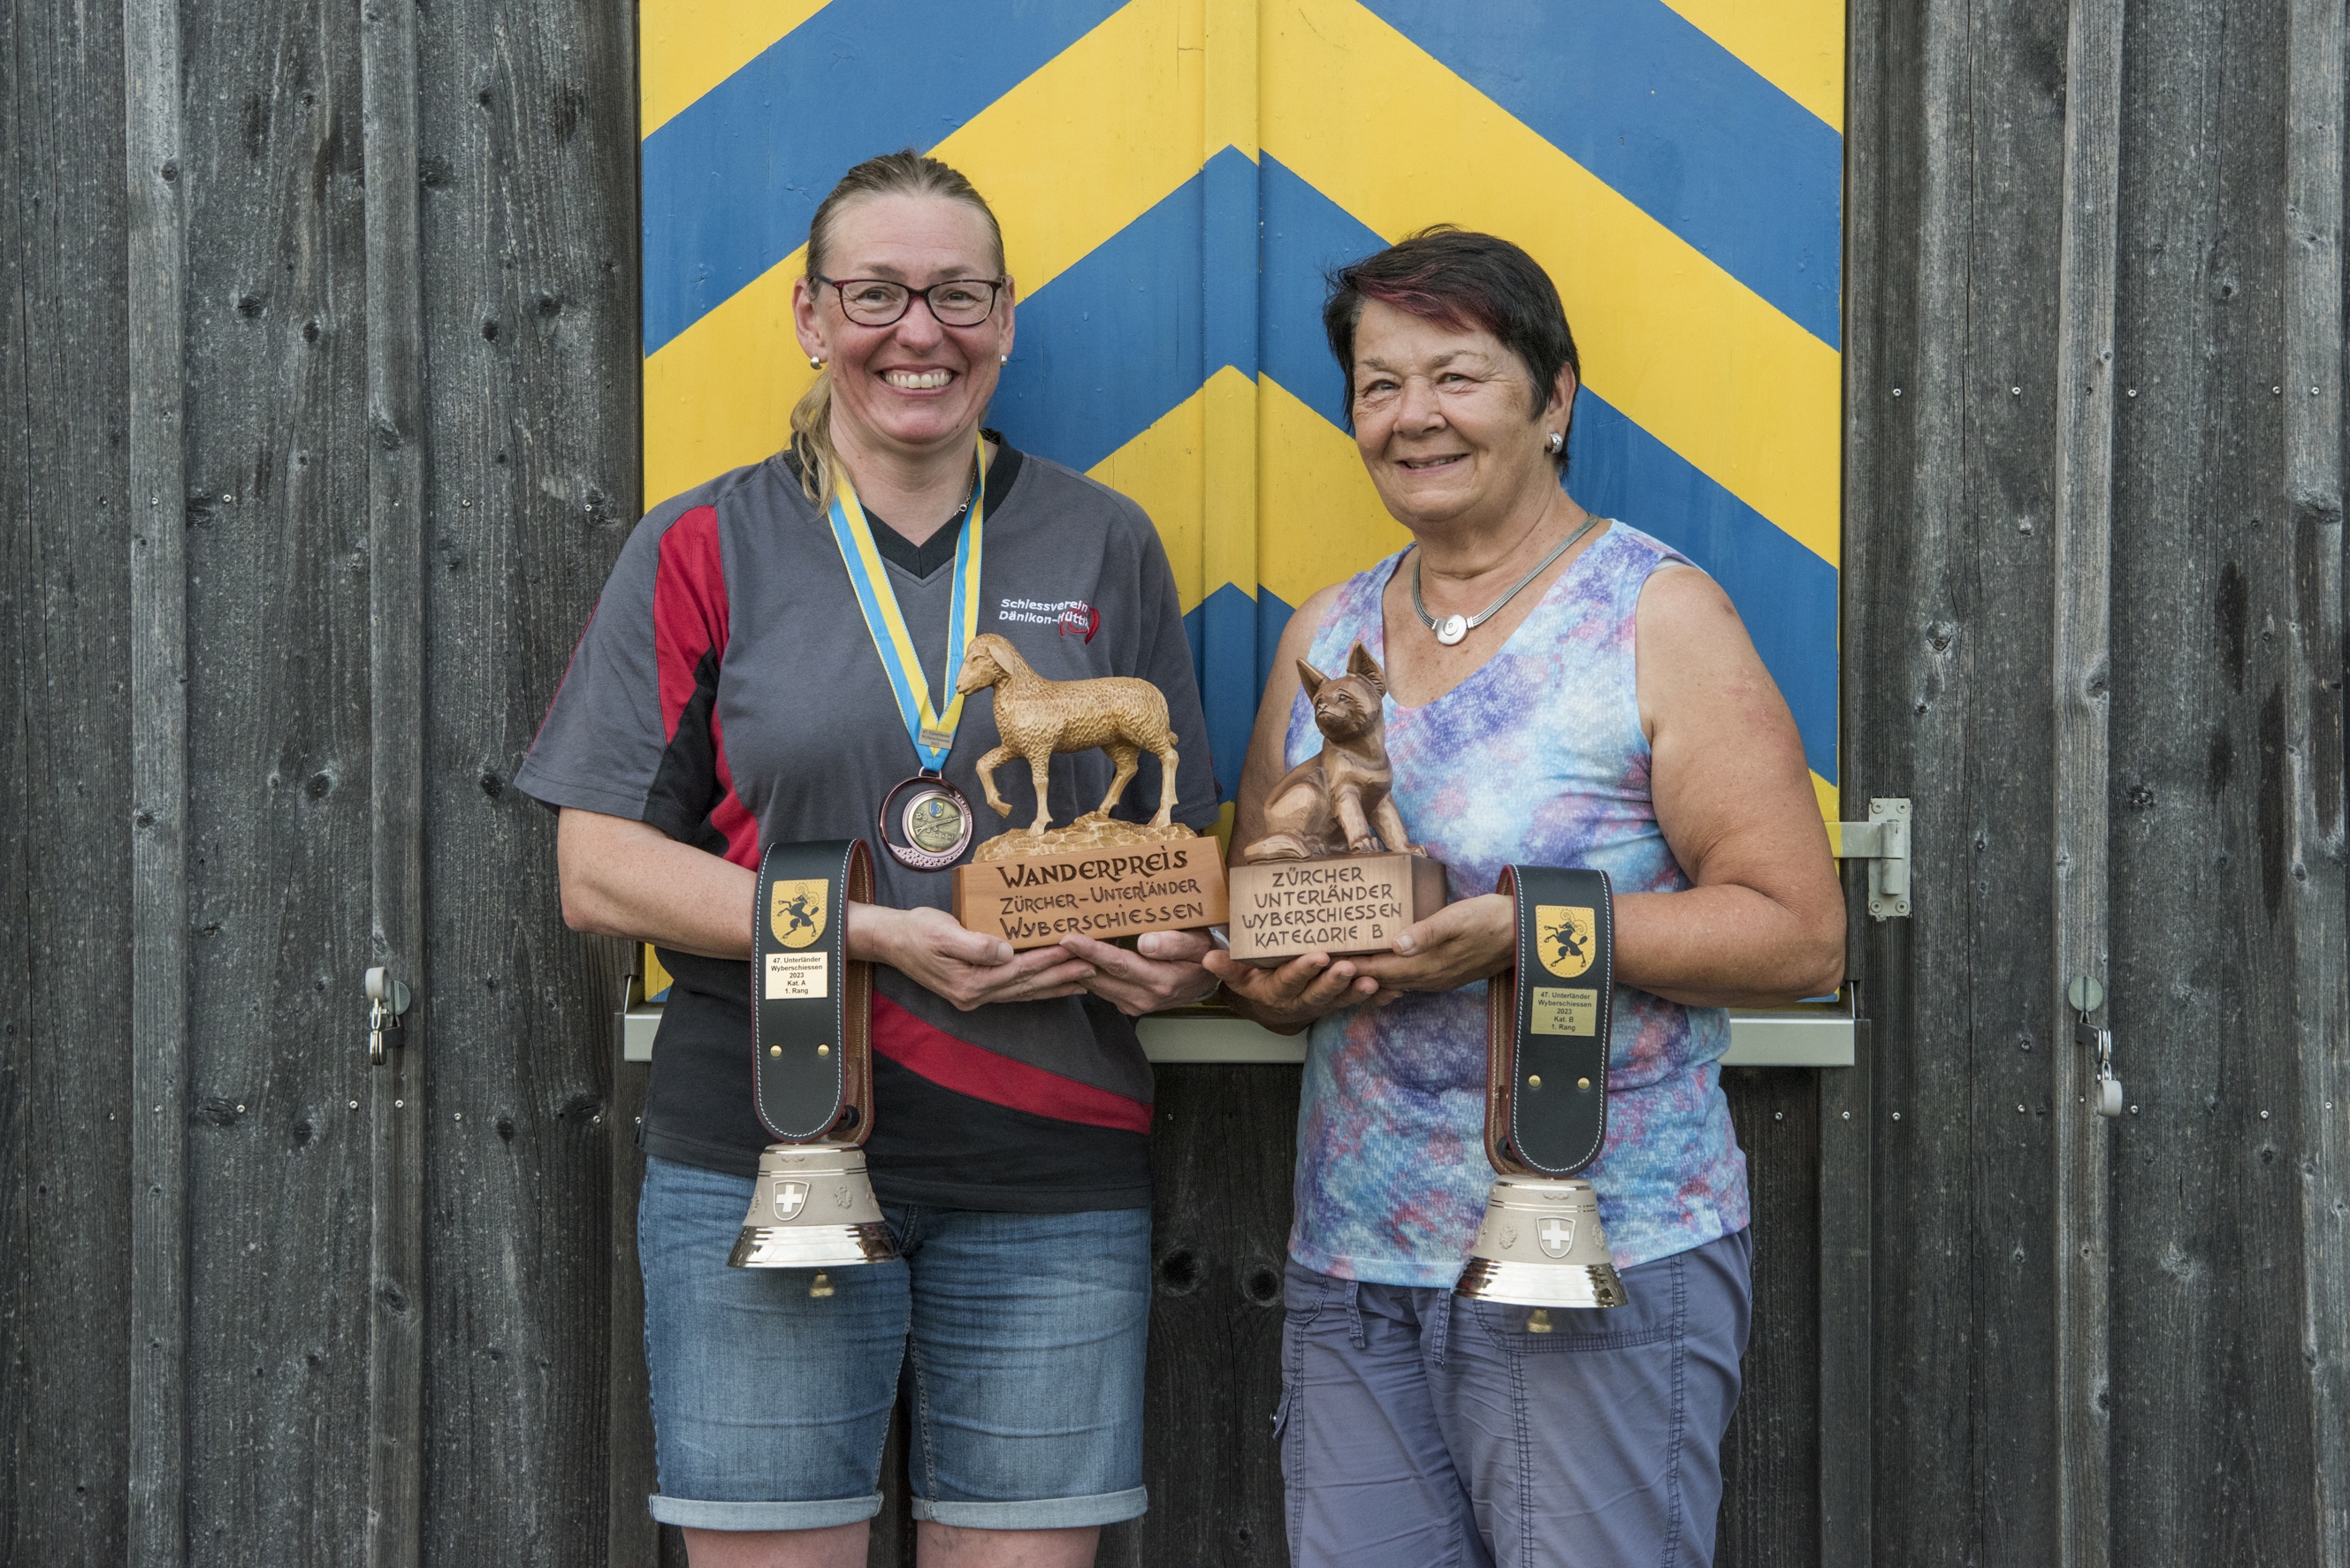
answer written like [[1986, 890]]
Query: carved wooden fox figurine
[[1336, 803]]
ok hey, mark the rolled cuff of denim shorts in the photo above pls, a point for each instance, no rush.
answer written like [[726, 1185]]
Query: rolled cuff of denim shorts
[[1045, 1513], [696, 1514]]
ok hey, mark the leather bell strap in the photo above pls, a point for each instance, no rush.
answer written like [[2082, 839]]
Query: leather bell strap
[[1547, 1020], [811, 1007]]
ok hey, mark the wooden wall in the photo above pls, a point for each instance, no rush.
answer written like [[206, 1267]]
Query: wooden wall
[[318, 344], [2095, 315]]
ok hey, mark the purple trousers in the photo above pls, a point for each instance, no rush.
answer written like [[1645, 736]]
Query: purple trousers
[[1419, 1430]]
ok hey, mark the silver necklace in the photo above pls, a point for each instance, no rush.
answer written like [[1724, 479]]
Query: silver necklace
[[1454, 628]]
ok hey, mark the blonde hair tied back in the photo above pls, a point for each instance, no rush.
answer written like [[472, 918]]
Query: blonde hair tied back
[[906, 173]]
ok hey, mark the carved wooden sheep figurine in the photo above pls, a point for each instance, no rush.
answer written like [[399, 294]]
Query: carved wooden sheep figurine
[[1035, 717]]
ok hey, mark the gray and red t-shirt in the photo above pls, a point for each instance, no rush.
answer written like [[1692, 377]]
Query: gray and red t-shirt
[[726, 690]]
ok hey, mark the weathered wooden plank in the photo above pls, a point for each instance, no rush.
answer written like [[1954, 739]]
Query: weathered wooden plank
[[2204, 1285], [1874, 180], [1908, 571], [631, 1539], [396, 611], [2083, 542], [154, 345], [2017, 122], [1846, 1429], [279, 821], [66, 1116], [1223, 1152], [1771, 1456], [2314, 442], [528, 216]]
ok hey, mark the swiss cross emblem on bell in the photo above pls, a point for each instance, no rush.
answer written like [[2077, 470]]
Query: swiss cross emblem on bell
[[791, 1197], [1556, 1235]]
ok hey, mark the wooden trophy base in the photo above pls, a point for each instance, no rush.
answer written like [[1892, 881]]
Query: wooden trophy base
[[1097, 877], [1343, 905]]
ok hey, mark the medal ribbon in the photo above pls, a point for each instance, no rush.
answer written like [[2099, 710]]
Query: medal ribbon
[[930, 729]]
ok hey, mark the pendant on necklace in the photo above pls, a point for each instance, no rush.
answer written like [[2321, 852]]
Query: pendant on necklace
[[1451, 629]]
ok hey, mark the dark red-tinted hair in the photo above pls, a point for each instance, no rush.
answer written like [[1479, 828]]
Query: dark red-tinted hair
[[1461, 279]]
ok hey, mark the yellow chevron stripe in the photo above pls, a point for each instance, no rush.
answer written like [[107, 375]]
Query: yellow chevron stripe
[[1161, 470], [685, 47], [1830, 809], [1067, 158], [1797, 45], [1683, 348], [1323, 521]]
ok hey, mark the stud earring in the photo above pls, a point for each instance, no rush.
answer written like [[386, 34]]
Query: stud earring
[[1557, 443], [814, 363], [1003, 358]]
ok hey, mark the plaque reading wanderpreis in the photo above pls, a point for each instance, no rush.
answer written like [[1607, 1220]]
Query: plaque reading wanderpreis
[[1103, 892], [1341, 904]]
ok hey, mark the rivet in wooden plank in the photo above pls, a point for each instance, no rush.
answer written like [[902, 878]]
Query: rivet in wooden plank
[[2133, 391], [398, 1104], [2133, 1110], [1897, 1116], [2016, 391], [2019, 1110], [2264, 1115], [240, 1110], [457, 1117], [355, 1105], [2276, 391], [1778, 1116], [1848, 1115], [1897, 391]]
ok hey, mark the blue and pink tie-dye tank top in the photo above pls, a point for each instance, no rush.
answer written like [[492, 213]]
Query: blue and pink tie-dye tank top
[[1537, 759]]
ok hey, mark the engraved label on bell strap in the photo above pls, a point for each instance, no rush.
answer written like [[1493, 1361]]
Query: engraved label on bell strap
[[1564, 1010]]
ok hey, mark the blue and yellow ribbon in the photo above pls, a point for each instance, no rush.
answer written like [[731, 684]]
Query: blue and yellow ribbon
[[930, 728]]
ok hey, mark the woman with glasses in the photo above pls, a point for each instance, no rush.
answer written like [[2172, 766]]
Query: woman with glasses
[[733, 691]]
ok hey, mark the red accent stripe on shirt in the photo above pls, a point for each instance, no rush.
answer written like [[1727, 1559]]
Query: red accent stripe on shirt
[[730, 815], [984, 1075], [689, 609], [690, 622]]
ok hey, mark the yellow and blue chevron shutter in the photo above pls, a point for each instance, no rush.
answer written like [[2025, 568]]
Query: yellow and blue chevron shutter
[[1174, 177]]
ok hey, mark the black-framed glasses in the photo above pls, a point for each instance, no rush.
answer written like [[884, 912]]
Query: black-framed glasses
[[878, 302]]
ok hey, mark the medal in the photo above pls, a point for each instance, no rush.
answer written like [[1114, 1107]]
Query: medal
[[935, 820]]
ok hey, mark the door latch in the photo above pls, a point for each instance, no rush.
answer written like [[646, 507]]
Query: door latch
[[386, 1001], [2087, 995], [1883, 842]]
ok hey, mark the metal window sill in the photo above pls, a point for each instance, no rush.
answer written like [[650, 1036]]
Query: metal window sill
[[1814, 1036]]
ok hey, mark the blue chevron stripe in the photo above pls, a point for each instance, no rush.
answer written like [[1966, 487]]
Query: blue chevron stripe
[[1232, 639], [730, 183], [1674, 122]]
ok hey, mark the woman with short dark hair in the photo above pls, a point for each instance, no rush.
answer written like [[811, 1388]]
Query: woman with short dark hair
[[1565, 691]]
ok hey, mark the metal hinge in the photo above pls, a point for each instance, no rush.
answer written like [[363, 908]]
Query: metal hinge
[[1883, 842]]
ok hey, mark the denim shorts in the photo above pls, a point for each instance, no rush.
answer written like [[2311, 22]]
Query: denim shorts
[[1020, 1338], [1419, 1430]]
